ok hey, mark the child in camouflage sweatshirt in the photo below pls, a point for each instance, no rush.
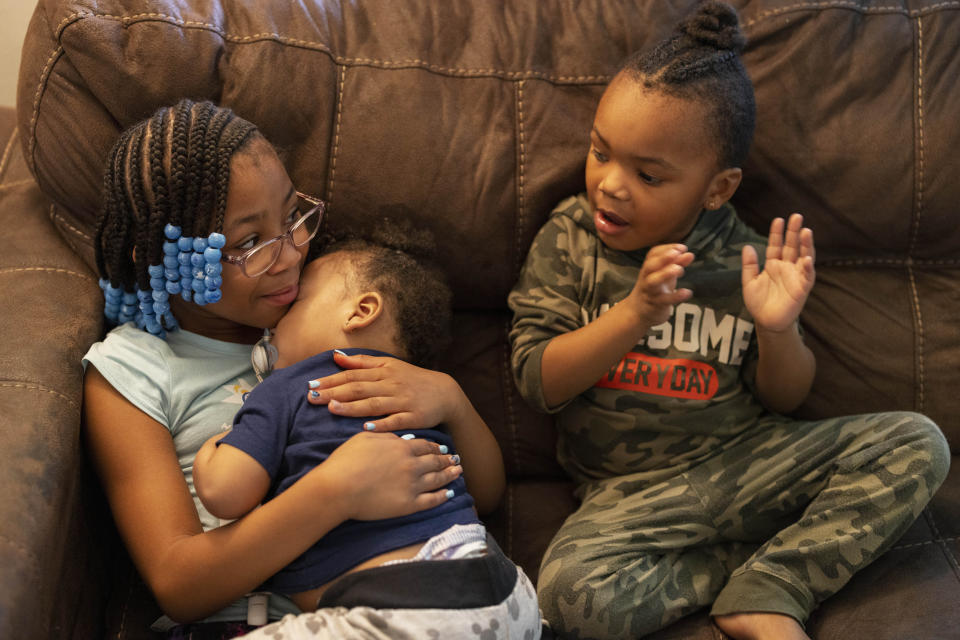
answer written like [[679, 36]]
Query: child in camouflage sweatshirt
[[644, 319]]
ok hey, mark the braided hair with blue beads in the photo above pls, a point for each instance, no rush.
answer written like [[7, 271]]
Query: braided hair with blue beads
[[701, 62], [165, 195]]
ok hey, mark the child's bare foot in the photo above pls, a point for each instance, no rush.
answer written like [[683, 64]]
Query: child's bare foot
[[760, 626]]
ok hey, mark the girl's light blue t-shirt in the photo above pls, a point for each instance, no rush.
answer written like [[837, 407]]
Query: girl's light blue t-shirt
[[191, 384]]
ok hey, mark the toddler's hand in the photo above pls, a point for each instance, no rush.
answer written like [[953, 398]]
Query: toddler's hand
[[775, 296], [655, 292]]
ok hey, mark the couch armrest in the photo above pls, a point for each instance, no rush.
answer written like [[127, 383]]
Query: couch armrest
[[48, 318]]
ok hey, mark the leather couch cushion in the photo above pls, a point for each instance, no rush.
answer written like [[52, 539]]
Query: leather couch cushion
[[475, 118]]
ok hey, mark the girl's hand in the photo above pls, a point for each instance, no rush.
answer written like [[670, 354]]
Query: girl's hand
[[655, 292], [409, 397], [379, 475], [776, 296]]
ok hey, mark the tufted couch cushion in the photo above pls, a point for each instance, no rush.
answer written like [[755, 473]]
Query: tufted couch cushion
[[473, 117]]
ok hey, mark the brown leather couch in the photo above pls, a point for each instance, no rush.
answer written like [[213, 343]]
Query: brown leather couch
[[474, 116]]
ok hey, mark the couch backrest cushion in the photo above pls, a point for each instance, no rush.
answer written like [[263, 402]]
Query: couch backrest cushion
[[474, 118]]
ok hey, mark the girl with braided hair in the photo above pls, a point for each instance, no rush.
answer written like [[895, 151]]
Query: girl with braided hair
[[644, 319], [200, 247]]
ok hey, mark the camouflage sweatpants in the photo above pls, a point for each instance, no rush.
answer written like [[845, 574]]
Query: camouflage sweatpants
[[776, 521]]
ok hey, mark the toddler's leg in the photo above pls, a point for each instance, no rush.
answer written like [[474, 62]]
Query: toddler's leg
[[857, 484], [627, 563]]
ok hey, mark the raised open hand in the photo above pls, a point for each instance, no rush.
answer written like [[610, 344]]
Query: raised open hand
[[655, 292], [776, 295]]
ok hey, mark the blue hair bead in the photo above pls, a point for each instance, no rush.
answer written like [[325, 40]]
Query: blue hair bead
[[171, 274], [155, 270], [146, 308], [212, 255], [160, 307], [173, 287], [129, 297], [213, 269], [186, 293], [183, 258], [216, 240], [199, 299], [185, 243], [213, 282], [128, 309], [214, 295], [186, 271], [111, 308], [170, 262], [160, 295], [197, 260], [198, 285], [170, 249], [157, 283], [199, 244], [171, 231]]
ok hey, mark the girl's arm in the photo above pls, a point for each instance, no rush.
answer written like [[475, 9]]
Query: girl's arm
[[228, 481], [194, 574], [416, 398]]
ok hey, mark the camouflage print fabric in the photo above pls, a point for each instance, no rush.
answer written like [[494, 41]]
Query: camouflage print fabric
[[691, 492], [681, 391], [776, 522]]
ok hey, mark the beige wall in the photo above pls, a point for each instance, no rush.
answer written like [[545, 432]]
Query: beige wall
[[14, 16]]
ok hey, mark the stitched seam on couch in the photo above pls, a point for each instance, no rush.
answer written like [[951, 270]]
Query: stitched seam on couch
[[61, 220], [912, 545], [6, 153], [342, 73], [30, 386], [918, 174], [84, 276], [944, 547], [319, 46], [521, 199], [17, 183], [850, 5], [41, 86], [918, 336], [890, 262]]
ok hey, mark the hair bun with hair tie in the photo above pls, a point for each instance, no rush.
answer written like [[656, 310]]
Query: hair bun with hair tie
[[714, 25]]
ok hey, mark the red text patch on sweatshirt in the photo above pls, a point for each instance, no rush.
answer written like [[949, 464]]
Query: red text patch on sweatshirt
[[675, 378]]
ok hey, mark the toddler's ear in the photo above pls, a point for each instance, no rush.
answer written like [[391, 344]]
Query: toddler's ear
[[366, 309], [722, 188]]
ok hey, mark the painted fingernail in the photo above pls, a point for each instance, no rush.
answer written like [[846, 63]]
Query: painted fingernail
[[455, 459], [443, 448], [334, 404], [314, 394], [313, 384], [340, 352], [369, 426], [407, 436], [450, 494]]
